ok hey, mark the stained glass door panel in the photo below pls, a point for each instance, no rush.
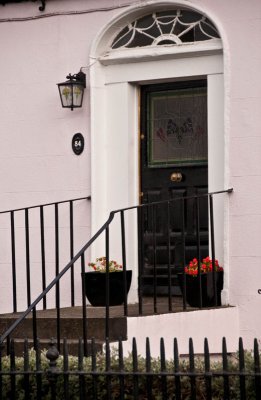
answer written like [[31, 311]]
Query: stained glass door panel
[[177, 127]]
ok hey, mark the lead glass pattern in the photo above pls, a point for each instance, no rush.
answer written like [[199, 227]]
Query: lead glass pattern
[[177, 127], [173, 27]]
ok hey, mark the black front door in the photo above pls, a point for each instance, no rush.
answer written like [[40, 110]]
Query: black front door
[[174, 164]]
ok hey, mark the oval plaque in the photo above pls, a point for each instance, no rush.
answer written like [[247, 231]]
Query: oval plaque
[[78, 143]]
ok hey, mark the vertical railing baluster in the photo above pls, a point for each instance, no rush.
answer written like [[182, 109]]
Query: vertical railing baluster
[[148, 370], [65, 370], [176, 370], [27, 249], [140, 223], [108, 368], [169, 258], [135, 370], [107, 283], [183, 238], [121, 370], [13, 262], [207, 370], [198, 252], [57, 287], [43, 254], [257, 370], [242, 378], [154, 259], [212, 237], [163, 370], [34, 328], [38, 370], [192, 370], [123, 249], [225, 370], [84, 308], [26, 370], [72, 253]]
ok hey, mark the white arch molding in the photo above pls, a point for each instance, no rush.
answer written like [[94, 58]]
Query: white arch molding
[[114, 83]]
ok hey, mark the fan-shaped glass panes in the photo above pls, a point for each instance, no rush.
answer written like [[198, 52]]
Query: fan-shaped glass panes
[[166, 28]]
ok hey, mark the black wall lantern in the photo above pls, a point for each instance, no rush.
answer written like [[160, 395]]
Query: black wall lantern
[[71, 91]]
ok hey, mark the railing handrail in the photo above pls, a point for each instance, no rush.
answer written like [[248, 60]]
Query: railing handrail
[[46, 204], [154, 203], [84, 248]]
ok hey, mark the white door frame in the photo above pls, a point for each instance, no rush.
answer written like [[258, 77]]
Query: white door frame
[[115, 79]]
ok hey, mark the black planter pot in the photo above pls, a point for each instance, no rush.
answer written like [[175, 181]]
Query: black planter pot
[[95, 287], [192, 289]]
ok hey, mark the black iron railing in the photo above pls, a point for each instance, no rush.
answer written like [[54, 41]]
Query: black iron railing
[[113, 376], [106, 229], [24, 221]]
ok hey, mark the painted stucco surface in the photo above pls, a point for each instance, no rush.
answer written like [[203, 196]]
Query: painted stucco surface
[[37, 164]]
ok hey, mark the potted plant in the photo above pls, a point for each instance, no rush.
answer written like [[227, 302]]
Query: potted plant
[[95, 283], [193, 278]]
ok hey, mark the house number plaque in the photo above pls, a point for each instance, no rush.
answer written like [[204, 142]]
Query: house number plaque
[[78, 143]]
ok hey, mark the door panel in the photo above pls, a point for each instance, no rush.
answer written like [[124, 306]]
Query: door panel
[[174, 141]]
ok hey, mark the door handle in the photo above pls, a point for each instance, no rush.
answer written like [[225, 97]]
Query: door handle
[[176, 177]]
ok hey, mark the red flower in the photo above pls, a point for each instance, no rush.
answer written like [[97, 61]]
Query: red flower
[[205, 266]]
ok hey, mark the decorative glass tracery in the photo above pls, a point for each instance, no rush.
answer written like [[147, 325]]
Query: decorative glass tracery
[[171, 27], [177, 127]]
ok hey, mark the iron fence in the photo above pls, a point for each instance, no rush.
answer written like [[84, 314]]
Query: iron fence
[[111, 375]]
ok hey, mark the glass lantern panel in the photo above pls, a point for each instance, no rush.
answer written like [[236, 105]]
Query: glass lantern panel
[[77, 95], [66, 95]]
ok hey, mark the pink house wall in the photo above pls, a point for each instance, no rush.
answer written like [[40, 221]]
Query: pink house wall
[[37, 164]]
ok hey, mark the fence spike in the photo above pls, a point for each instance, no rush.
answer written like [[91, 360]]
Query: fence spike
[[242, 379], [206, 355], [162, 355], [163, 369], [148, 369], [176, 370], [121, 363], [192, 369], [148, 356], [176, 355], [225, 369], [191, 355], [134, 354], [207, 370], [135, 369], [257, 369], [93, 353]]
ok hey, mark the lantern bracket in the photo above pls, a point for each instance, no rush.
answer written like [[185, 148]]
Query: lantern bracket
[[80, 77]]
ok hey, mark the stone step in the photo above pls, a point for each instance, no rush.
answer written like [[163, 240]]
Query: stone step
[[69, 328], [71, 325]]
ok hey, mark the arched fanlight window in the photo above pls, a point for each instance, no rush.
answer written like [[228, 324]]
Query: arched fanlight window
[[173, 27]]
